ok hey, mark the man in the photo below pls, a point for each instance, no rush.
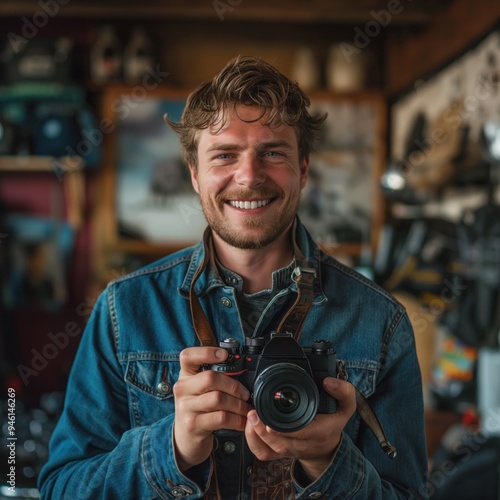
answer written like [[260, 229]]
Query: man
[[144, 420]]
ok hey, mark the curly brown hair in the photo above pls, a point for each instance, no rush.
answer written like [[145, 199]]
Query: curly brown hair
[[253, 82]]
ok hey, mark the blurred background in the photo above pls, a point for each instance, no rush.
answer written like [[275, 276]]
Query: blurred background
[[403, 185]]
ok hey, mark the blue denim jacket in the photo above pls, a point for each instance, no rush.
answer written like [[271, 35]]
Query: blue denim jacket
[[114, 438]]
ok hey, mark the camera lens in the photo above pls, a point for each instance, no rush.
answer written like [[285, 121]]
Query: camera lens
[[286, 400], [286, 397]]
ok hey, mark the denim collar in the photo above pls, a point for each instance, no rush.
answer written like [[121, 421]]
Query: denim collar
[[210, 278]]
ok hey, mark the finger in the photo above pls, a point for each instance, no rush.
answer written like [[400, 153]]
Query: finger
[[255, 431], [193, 358], [213, 401], [343, 392], [209, 381], [214, 421]]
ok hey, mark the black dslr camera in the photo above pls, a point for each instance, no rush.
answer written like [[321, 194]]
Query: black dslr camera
[[284, 379]]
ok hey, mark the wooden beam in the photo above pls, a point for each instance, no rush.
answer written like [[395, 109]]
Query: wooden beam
[[41, 164], [317, 11], [412, 56]]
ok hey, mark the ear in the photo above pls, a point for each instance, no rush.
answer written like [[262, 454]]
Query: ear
[[194, 177], [304, 171]]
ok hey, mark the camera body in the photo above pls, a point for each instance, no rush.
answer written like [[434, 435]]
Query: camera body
[[284, 379]]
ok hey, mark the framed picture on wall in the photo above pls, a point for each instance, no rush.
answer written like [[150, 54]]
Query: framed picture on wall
[[154, 201], [339, 203]]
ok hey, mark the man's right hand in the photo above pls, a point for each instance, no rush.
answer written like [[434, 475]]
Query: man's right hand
[[205, 401]]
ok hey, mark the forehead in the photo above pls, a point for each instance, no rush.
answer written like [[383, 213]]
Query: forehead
[[247, 123]]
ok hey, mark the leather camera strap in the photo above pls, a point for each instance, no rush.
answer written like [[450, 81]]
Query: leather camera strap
[[370, 418], [201, 325], [293, 321]]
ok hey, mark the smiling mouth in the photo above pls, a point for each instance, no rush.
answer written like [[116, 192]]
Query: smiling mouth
[[249, 205]]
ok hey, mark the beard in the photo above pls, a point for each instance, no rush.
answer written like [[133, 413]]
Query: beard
[[254, 232]]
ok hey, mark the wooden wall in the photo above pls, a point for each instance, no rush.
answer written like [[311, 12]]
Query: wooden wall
[[412, 55]]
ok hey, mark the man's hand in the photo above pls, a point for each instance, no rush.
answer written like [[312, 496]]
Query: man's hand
[[313, 445], [204, 402]]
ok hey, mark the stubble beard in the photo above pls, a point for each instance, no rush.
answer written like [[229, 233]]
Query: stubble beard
[[262, 232]]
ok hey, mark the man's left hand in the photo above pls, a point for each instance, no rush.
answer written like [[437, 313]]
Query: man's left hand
[[315, 444]]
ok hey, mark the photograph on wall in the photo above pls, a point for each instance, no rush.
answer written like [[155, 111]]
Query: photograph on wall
[[155, 200], [337, 202]]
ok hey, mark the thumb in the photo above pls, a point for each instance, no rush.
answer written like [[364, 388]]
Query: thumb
[[343, 392], [193, 358]]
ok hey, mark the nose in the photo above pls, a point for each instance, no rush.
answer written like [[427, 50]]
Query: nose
[[250, 172]]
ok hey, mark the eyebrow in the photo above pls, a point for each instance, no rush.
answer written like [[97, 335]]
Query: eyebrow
[[238, 147], [224, 147]]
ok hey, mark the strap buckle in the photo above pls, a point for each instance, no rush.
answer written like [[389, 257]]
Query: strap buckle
[[298, 271]]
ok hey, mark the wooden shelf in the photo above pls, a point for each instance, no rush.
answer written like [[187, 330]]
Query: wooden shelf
[[280, 11], [74, 183], [40, 164], [436, 425]]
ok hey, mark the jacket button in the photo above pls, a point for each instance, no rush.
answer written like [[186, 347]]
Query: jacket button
[[226, 302], [229, 447], [164, 388], [181, 491], [316, 495]]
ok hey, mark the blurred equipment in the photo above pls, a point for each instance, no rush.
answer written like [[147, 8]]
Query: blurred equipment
[[40, 251], [491, 138], [489, 390], [476, 317], [7, 136], [466, 465], [41, 60], [106, 57], [34, 427], [419, 256], [396, 180], [305, 70], [345, 69], [48, 119], [139, 56], [437, 154]]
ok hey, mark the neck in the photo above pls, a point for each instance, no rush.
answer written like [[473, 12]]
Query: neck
[[256, 266]]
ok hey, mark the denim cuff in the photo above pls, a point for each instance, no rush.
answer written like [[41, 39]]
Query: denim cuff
[[160, 466]]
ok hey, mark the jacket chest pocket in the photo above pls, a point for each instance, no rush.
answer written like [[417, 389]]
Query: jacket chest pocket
[[150, 385], [362, 375]]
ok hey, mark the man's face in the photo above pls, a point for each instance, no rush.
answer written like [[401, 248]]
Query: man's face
[[249, 179]]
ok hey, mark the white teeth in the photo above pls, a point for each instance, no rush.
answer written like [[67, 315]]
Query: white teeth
[[249, 204]]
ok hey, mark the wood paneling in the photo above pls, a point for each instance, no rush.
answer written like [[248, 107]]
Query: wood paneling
[[411, 56], [336, 11]]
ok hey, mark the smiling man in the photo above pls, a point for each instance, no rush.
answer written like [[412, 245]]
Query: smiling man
[[249, 177], [144, 417]]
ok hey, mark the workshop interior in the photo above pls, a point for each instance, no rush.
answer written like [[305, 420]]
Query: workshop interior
[[403, 186]]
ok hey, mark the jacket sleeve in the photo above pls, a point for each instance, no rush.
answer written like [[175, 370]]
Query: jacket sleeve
[[94, 453], [360, 469]]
